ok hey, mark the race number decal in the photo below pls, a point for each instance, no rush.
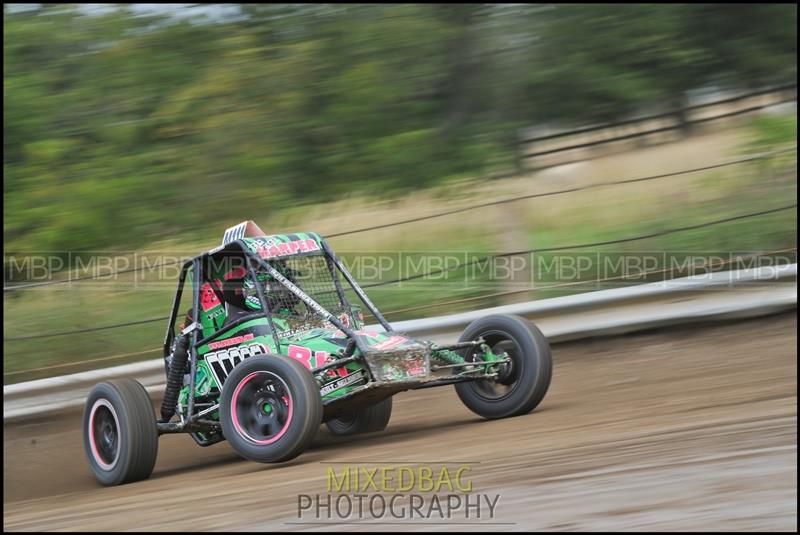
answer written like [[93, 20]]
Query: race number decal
[[222, 362]]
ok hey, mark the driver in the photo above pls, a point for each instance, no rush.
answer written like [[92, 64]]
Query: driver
[[280, 300]]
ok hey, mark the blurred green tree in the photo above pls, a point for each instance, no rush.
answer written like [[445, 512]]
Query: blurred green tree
[[121, 127]]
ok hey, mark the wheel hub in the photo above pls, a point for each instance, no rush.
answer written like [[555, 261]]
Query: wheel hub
[[108, 435], [505, 371], [262, 408], [105, 435]]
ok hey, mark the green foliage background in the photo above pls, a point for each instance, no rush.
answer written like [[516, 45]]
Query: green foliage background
[[120, 129]]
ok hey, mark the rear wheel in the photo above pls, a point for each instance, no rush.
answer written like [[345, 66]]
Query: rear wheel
[[119, 432], [523, 382], [270, 408], [364, 420]]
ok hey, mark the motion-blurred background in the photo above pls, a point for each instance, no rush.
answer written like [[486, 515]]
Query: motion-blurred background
[[151, 128]]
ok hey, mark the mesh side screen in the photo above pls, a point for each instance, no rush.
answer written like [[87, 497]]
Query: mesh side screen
[[311, 274]]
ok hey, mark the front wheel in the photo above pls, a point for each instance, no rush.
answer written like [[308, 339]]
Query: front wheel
[[270, 408], [523, 382], [119, 432]]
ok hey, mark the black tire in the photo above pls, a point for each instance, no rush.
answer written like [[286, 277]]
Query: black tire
[[295, 408], [364, 420], [119, 432], [523, 385]]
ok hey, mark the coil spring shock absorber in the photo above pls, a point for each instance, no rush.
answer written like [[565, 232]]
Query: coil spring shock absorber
[[177, 367]]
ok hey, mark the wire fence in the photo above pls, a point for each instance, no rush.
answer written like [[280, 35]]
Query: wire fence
[[461, 265], [575, 141], [475, 261], [644, 274], [639, 237], [567, 190], [427, 217], [784, 92]]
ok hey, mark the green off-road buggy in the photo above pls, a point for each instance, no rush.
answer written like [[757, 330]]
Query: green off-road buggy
[[272, 347]]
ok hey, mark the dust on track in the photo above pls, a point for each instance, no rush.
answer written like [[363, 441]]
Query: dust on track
[[681, 428]]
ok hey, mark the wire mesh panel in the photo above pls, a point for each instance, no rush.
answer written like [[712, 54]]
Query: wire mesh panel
[[314, 275]]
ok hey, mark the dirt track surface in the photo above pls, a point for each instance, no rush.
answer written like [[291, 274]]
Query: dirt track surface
[[684, 428]]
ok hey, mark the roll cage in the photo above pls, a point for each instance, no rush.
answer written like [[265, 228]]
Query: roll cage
[[253, 264], [446, 356]]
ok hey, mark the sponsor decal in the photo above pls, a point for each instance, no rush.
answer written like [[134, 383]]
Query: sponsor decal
[[236, 340], [417, 367], [288, 248], [341, 383], [390, 342], [216, 313], [362, 332], [371, 334], [293, 333]]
